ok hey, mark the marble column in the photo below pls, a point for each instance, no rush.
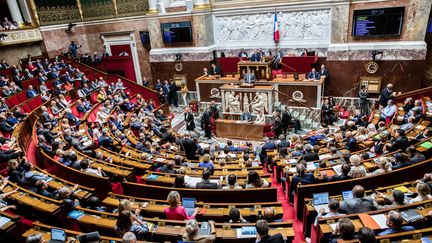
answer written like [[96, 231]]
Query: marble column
[[417, 19], [25, 11], [201, 4], [155, 33], [15, 11], [340, 18], [152, 7], [203, 30]]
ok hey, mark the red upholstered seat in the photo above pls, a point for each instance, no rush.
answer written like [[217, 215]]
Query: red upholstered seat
[[13, 101], [21, 96], [26, 108], [117, 188], [35, 102]]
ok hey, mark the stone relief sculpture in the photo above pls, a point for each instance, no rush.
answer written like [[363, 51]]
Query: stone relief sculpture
[[233, 103], [245, 102], [259, 103], [300, 25]]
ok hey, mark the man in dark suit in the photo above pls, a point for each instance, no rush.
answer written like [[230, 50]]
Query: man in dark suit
[[310, 155], [358, 204], [277, 125], [242, 53], [350, 142], [31, 92], [205, 183], [401, 141], [313, 75], [324, 71], [386, 95], [206, 123], [256, 56], [4, 126], [189, 147], [106, 141], [216, 70], [263, 233], [189, 119], [173, 93]]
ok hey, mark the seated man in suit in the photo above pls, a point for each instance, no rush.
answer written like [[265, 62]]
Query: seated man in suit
[[216, 70], [246, 116], [263, 233], [394, 223], [242, 53], [206, 73], [249, 77], [324, 71], [313, 75], [256, 56], [358, 204], [205, 183], [31, 92]]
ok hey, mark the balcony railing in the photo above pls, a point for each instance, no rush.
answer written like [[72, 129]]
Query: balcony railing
[[13, 37]]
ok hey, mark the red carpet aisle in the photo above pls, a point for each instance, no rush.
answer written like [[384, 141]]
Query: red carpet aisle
[[289, 213]]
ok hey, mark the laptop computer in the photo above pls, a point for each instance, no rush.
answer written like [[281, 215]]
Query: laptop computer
[[57, 236], [347, 195], [320, 201], [189, 205]]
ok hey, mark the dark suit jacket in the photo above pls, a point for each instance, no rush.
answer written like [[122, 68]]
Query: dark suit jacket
[[385, 96], [357, 205], [310, 156], [206, 185], [277, 127], [5, 127], [189, 147], [189, 120], [324, 72], [256, 57], [216, 70], [400, 143], [277, 238]]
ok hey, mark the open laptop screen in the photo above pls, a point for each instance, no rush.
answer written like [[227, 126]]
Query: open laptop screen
[[320, 198], [58, 234], [347, 195], [188, 202]]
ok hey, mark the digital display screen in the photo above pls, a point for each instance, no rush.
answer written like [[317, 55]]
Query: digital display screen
[[378, 22], [176, 32]]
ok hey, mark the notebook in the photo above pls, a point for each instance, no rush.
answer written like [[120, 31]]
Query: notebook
[[403, 189], [320, 201], [3, 221], [205, 229], [152, 177], [426, 145], [57, 236], [347, 195], [75, 214], [189, 205]]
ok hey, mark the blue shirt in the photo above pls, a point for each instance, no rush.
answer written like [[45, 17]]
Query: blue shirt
[[393, 231], [205, 164]]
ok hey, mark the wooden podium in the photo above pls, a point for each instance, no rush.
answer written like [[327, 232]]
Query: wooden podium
[[239, 130], [262, 70]]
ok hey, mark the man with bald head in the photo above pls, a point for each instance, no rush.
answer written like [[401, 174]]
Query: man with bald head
[[358, 204], [269, 215]]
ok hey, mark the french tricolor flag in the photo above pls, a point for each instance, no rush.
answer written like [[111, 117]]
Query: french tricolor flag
[[276, 35]]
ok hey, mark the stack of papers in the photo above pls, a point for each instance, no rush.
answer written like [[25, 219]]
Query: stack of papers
[[3, 221]]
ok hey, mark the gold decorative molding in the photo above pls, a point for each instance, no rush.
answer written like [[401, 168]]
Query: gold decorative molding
[[98, 10], [152, 11], [115, 8], [202, 6], [34, 12], [58, 15], [14, 37], [80, 9], [128, 8]]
